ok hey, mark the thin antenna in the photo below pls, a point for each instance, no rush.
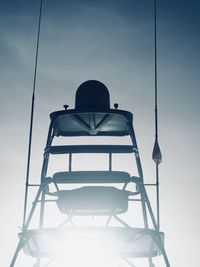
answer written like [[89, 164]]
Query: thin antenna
[[156, 155], [31, 118]]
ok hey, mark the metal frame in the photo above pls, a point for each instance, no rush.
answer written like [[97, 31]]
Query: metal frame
[[92, 129]]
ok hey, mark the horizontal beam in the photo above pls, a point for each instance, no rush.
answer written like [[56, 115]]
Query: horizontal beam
[[92, 177], [89, 149]]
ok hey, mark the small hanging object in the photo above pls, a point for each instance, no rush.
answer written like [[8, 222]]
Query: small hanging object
[[157, 155]]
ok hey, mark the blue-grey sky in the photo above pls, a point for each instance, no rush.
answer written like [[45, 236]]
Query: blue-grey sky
[[111, 41]]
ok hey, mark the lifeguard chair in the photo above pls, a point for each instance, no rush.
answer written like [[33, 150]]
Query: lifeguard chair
[[91, 193]]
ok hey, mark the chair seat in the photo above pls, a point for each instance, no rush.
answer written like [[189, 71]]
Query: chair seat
[[94, 122], [93, 200], [92, 177]]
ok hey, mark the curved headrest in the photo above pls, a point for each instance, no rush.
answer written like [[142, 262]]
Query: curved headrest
[[93, 95]]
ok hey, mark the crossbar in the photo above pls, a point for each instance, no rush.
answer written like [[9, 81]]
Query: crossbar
[[91, 177], [89, 149]]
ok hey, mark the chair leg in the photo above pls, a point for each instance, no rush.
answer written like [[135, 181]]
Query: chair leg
[[151, 264], [22, 240]]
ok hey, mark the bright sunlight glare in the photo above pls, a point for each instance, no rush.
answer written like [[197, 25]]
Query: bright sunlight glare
[[86, 249]]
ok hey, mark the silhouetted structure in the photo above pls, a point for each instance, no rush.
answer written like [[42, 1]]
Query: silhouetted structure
[[92, 95], [107, 193]]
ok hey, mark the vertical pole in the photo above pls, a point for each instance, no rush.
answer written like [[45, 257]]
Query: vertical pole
[[70, 162], [156, 112], [156, 155], [43, 175], [31, 119], [110, 161], [158, 197], [140, 173]]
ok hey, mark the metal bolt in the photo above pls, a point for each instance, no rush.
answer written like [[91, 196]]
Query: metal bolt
[[116, 106], [65, 107]]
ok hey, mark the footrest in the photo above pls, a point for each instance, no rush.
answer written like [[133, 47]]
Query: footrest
[[116, 241]]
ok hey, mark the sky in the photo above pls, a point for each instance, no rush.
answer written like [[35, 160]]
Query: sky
[[111, 41]]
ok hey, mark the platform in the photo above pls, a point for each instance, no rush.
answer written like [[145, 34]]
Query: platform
[[120, 241]]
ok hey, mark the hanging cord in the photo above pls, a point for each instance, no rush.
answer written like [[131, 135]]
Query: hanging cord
[[31, 118], [156, 155]]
